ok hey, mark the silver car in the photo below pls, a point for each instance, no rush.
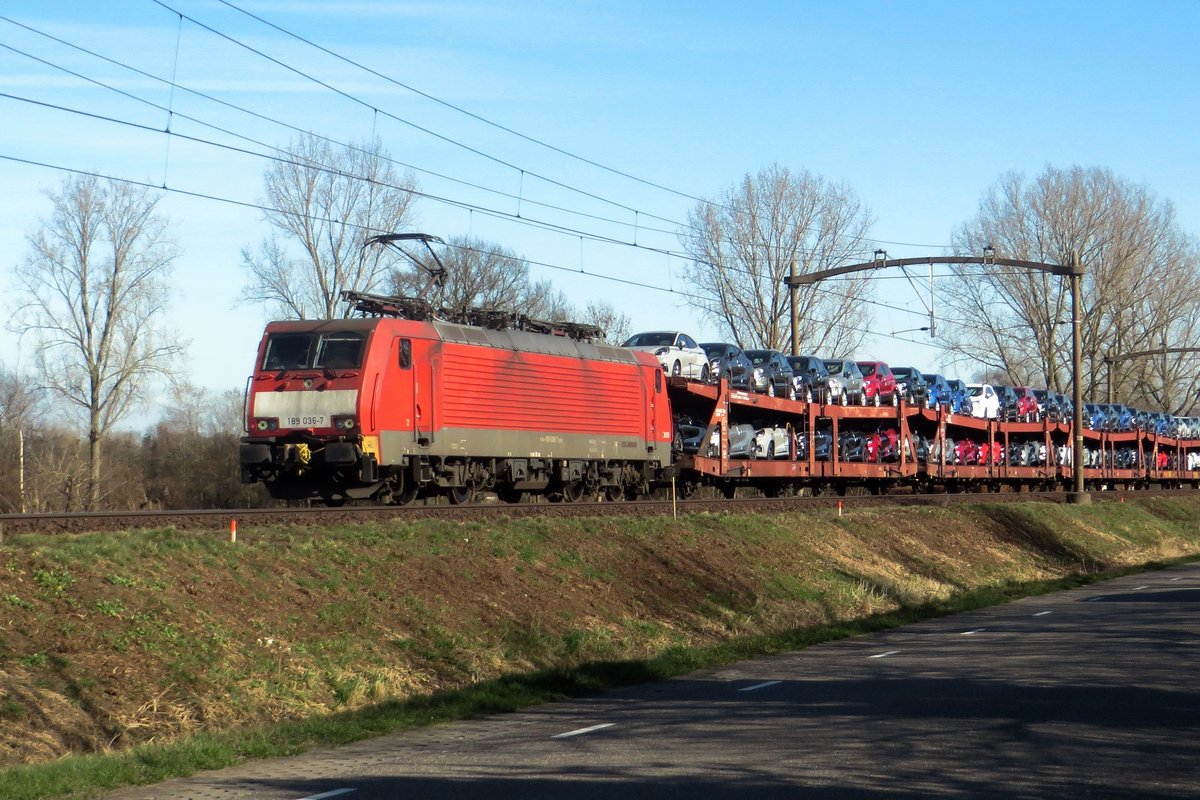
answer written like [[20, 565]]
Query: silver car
[[850, 376], [677, 353]]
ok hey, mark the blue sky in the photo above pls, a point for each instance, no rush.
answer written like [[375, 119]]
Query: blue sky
[[919, 107]]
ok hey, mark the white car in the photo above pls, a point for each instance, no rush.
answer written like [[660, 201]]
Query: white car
[[772, 443], [677, 352], [985, 403]]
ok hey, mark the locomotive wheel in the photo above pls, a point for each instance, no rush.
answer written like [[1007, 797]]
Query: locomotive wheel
[[461, 494], [614, 493], [572, 492], [510, 495]]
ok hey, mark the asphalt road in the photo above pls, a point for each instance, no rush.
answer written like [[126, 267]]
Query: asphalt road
[[1090, 693]]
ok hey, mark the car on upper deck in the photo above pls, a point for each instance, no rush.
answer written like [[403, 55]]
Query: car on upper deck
[[826, 388], [879, 384], [778, 380], [676, 351], [911, 385], [985, 403], [850, 376], [728, 361]]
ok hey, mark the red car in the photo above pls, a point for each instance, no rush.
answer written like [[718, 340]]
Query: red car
[[1028, 409], [879, 384], [966, 452]]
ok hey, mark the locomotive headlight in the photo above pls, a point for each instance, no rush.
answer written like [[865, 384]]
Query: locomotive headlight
[[266, 424], [345, 423]]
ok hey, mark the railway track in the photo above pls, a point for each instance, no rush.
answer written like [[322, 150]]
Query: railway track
[[220, 520]]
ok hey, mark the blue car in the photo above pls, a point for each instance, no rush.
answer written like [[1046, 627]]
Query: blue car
[[1120, 417], [939, 392], [960, 397], [1094, 417]]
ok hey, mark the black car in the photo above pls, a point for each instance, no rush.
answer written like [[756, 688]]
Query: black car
[[911, 385], [825, 387], [1048, 405], [777, 378], [1009, 402], [729, 362]]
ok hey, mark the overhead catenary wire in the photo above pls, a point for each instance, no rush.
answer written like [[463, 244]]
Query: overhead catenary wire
[[472, 207], [542, 264], [636, 224]]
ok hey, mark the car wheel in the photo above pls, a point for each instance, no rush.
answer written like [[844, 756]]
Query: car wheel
[[770, 388], [791, 393], [808, 395], [862, 397], [896, 399], [842, 398], [676, 370], [929, 401], [704, 374], [771, 449], [877, 403]]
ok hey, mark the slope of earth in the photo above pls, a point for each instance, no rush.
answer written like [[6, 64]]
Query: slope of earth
[[110, 640]]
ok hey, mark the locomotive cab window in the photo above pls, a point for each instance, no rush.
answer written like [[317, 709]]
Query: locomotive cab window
[[406, 354], [313, 350]]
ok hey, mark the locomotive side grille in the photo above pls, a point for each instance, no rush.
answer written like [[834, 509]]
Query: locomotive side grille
[[521, 391]]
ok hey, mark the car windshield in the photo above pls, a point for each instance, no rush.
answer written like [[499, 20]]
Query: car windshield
[[834, 367], [655, 339], [758, 356], [314, 350], [902, 372], [711, 350], [976, 391], [867, 369]]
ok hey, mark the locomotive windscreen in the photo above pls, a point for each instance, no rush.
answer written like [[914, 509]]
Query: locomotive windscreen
[[314, 350]]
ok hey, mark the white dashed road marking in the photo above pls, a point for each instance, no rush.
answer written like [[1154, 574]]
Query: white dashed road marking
[[970, 633], [581, 731], [759, 686], [1043, 613], [884, 655], [334, 793], [1139, 588]]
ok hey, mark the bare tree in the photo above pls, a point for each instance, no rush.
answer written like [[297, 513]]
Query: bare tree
[[327, 201], [604, 315], [1141, 289], [743, 245], [483, 275], [20, 406], [94, 289]]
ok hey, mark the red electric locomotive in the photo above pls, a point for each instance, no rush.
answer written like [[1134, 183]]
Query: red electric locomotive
[[386, 408]]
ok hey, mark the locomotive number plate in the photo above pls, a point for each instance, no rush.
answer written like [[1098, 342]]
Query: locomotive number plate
[[307, 421]]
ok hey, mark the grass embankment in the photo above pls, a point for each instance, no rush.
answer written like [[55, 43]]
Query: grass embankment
[[134, 657]]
